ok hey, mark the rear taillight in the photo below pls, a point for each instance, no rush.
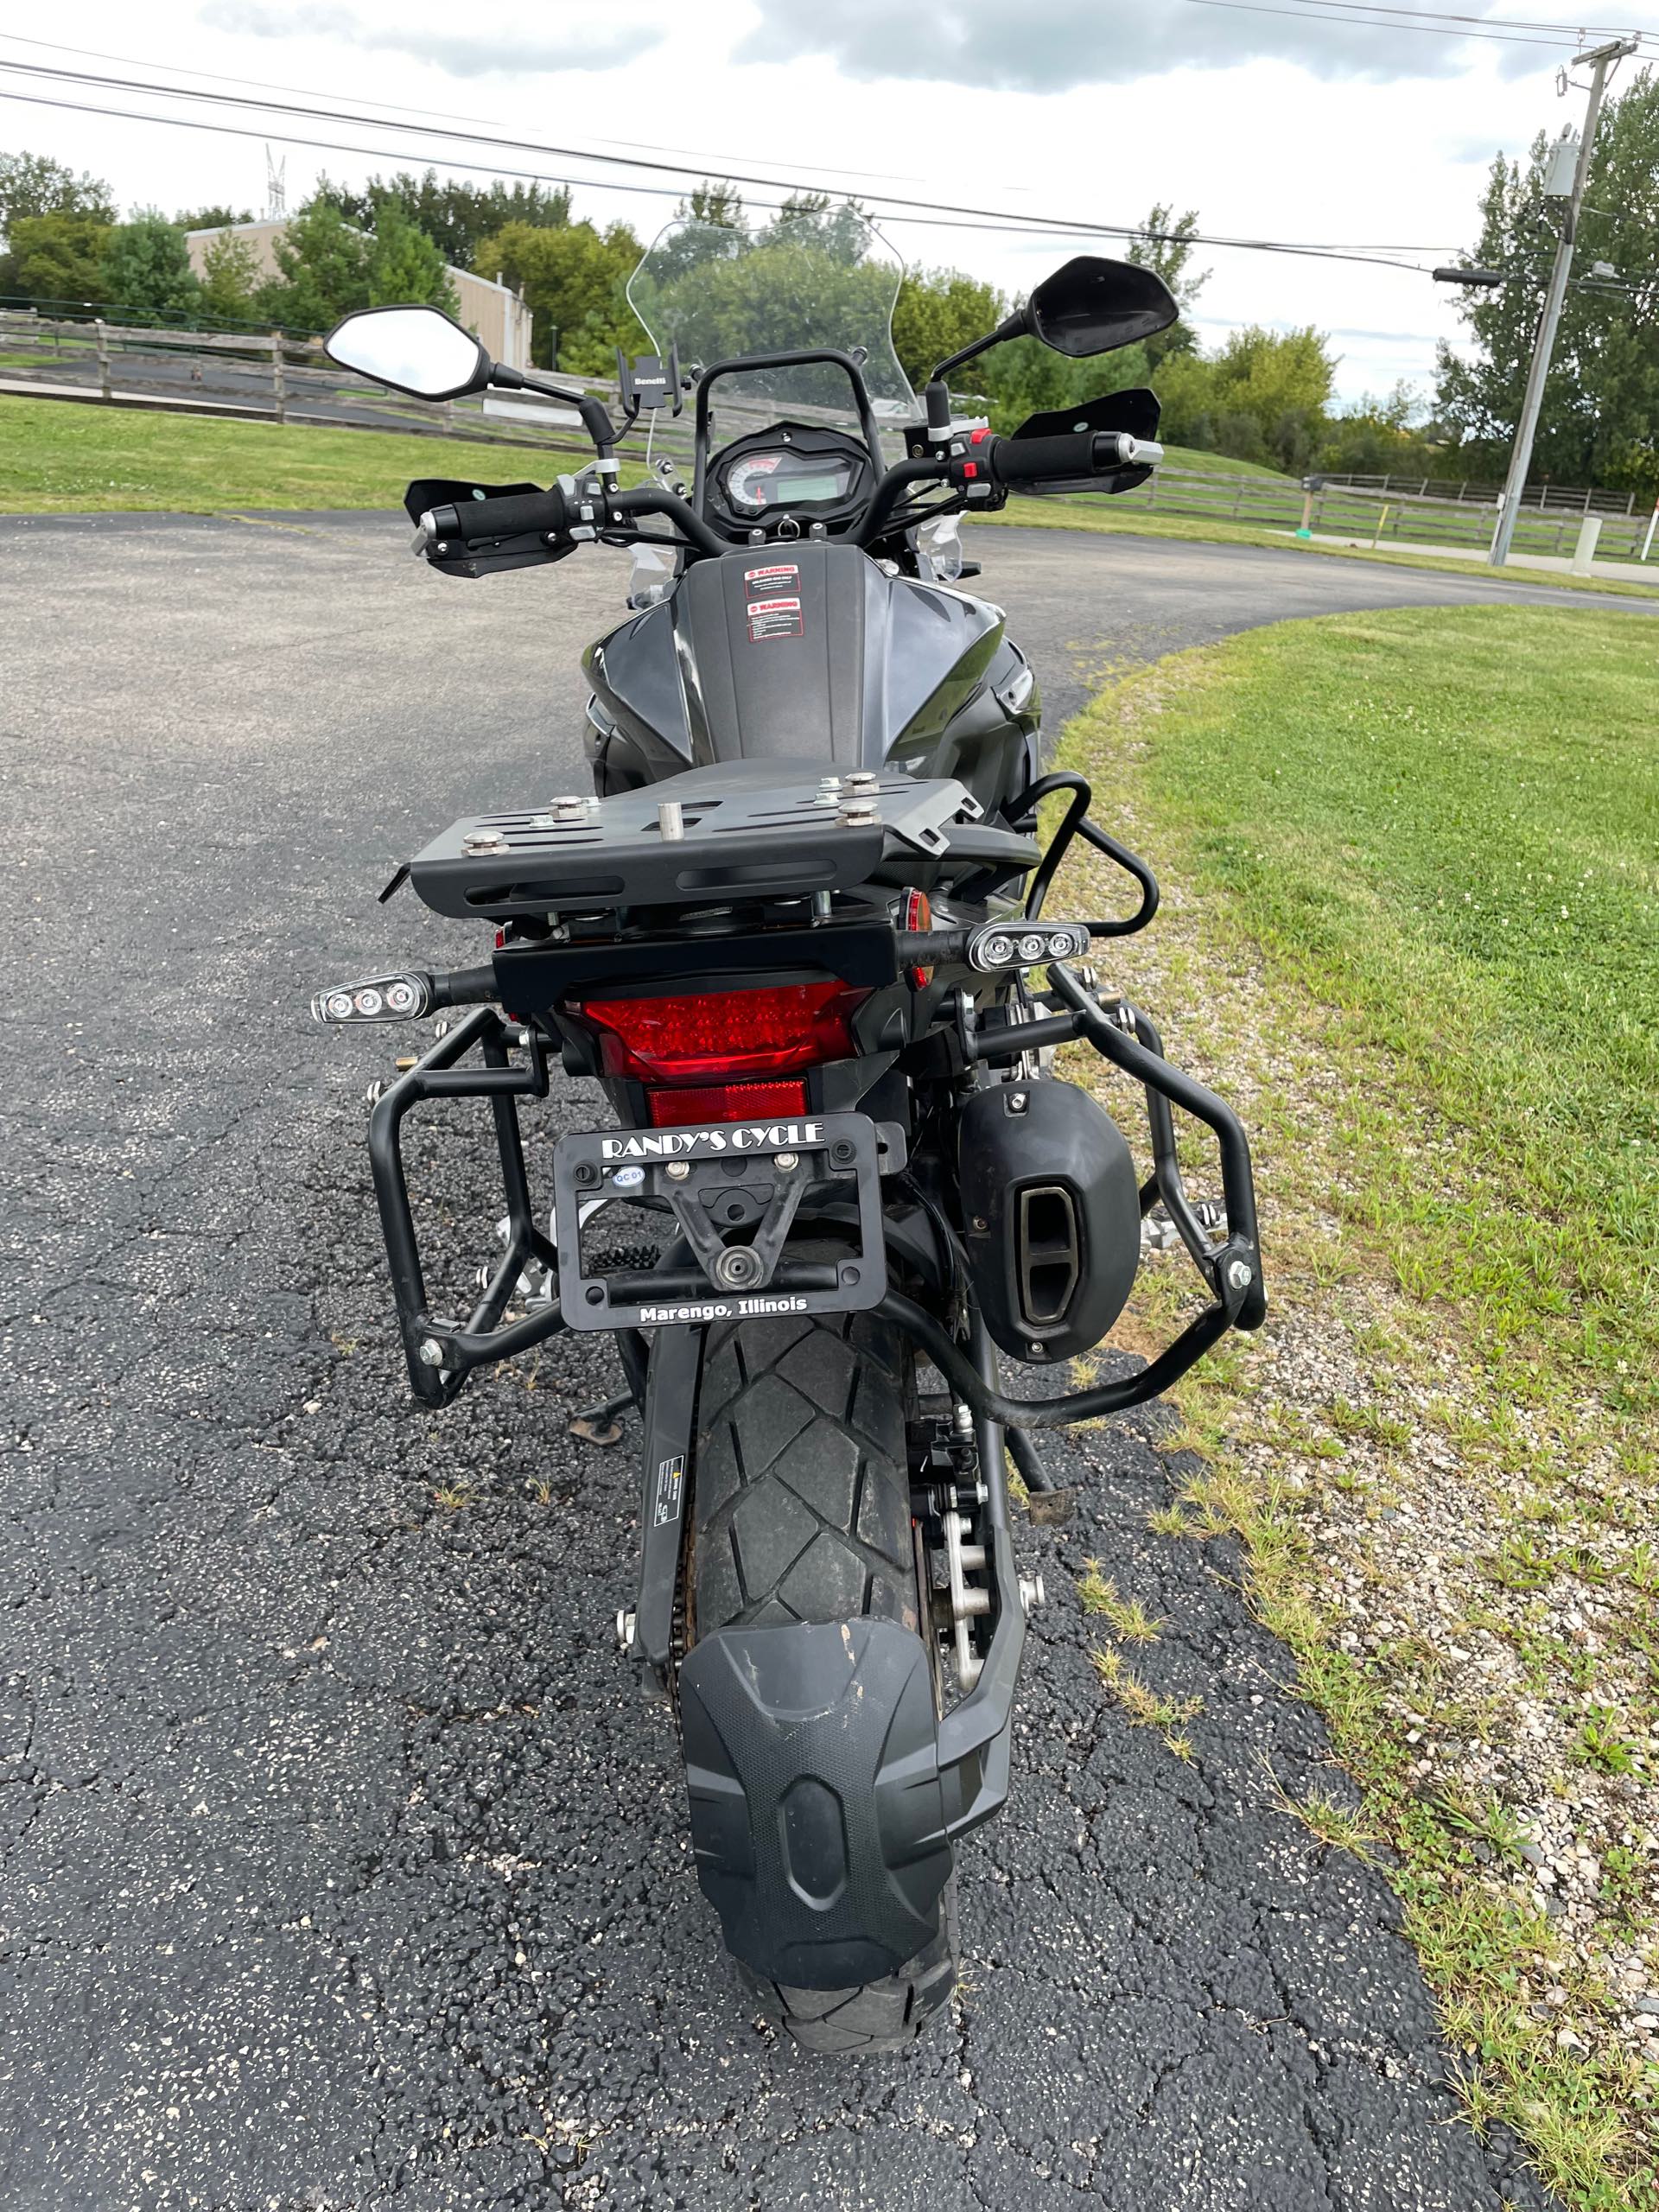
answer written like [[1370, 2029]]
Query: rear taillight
[[722, 1038]]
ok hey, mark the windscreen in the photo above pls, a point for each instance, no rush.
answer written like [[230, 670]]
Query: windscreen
[[824, 278]]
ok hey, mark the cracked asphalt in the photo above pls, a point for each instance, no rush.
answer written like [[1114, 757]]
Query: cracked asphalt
[[340, 1864]]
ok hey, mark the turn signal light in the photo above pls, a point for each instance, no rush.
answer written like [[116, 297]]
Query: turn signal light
[[377, 998], [998, 947]]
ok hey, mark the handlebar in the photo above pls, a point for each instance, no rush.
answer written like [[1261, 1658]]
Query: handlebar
[[553, 516]]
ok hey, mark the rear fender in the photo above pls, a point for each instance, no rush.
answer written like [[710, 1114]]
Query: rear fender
[[818, 1811]]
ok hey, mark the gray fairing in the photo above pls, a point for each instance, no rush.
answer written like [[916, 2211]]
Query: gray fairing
[[884, 670]]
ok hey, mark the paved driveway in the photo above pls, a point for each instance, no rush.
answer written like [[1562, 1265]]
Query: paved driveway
[[340, 1868]]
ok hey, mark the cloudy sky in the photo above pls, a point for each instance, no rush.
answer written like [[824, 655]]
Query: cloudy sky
[[1311, 121]]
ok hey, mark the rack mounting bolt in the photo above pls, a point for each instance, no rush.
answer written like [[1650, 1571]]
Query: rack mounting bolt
[[1018, 1104], [678, 1170], [784, 1160], [1031, 1592], [1239, 1275], [431, 1352]]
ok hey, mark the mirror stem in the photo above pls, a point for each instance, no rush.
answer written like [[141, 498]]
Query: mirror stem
[[1016, 326], [594, 419]]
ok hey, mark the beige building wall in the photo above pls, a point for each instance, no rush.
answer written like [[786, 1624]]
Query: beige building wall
[[490, 311]]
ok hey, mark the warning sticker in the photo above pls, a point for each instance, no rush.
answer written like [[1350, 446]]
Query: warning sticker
[[670, 1486], [774, 617], [762, 583]]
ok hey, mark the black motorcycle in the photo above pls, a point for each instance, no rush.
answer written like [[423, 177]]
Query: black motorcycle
[[798, 935]]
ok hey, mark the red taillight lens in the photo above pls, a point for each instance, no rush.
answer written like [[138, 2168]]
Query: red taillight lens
[[726, 1101], [724, 1036]]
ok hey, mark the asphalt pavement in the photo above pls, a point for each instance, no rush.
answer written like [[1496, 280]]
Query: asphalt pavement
[[340, 1864]]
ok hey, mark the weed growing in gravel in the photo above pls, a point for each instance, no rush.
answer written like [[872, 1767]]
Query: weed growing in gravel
[[1127, 1618], [1143, 1708], [1339, 1827]]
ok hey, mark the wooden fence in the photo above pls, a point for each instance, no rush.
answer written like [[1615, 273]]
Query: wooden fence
[[282, 379]]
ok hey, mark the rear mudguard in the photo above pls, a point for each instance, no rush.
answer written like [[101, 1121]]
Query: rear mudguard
[[819, 1813]]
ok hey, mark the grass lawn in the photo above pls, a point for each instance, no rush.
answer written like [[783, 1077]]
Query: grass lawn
[[1114, 518], [1413, 931], [65, 457], [1190, 460]]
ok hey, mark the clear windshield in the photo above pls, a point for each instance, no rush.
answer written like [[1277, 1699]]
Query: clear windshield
[[821, 279]]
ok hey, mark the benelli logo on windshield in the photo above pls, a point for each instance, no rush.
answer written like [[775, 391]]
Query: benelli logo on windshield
[[706, 1144]]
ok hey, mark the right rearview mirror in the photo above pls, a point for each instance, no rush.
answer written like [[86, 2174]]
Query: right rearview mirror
[[416, 350], [1092, 305]]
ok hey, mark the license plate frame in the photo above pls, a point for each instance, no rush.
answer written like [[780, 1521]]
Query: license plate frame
[[828, 1159]]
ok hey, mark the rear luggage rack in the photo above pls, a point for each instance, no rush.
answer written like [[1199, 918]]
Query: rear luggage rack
[[790, 838]]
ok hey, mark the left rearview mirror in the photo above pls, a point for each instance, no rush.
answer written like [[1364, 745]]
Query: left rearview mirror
[[416, 350], [1092, 305]]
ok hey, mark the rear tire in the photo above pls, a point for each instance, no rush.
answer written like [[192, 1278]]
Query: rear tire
[[801, 1510]]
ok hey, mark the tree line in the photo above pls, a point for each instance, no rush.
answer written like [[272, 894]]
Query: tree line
[[1261, 396]]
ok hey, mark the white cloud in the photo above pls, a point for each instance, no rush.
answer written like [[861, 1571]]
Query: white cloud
[[1047, 46], [491, 51]]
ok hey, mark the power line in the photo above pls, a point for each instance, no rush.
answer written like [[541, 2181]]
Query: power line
[[214, 77], [934, 213], [435, 115], [1440, 30], [1428, 18]]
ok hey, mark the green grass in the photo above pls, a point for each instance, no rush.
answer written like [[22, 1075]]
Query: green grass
[[1117, 518], [64, 457], [1190, 460], [1418, 926]]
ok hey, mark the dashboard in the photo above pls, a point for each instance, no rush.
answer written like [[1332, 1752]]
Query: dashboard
[[794, 468]]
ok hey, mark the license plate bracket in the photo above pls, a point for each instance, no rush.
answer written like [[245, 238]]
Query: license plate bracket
[[734, 1188]]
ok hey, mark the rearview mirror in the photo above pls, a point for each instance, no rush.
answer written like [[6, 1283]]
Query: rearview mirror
[[1092, 305], [416, 350]]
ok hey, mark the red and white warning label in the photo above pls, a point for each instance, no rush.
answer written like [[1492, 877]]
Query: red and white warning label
[[774, 617], [761, 583]]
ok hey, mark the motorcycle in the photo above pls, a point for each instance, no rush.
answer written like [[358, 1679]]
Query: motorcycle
[[798, 933]]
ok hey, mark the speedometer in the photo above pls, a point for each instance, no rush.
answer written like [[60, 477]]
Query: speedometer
[[746, 480]]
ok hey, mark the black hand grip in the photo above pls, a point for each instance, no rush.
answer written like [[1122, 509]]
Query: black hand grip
[[516, 515], [1037, 461]]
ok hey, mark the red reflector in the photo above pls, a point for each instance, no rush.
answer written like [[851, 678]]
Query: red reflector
[[724, 1036], [725, 1101], [919, 915]]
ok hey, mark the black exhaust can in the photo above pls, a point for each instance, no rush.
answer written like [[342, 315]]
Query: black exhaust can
[[1052, 1212]]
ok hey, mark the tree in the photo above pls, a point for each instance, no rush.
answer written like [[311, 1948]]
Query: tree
[[55, 258], [455, 217], [712, 201], [146, 271], [323, 262], [230, 279], [1261, 397], [939, 312], [573, 278], [406, 266], [1602, 399], [34, 184], [1165, 243], [211, 218]]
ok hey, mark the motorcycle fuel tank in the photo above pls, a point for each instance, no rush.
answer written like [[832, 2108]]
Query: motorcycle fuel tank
[[808, 650]]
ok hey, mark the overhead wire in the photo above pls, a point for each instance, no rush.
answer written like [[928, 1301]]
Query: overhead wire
[[939, 214], [434, 115]]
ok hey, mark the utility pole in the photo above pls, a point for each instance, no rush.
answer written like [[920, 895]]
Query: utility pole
[[1600, 59]]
